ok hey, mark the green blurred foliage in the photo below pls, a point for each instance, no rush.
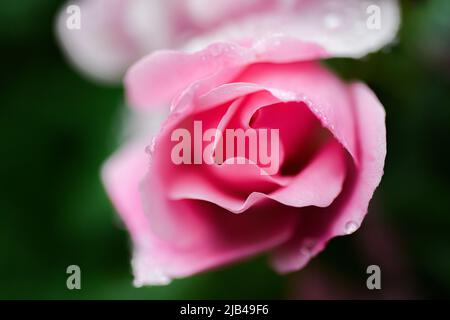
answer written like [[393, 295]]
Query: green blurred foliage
[[56, 129]]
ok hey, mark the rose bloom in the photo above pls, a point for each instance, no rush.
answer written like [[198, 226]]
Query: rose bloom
[[115, 33], [260, 72], [186, 218]]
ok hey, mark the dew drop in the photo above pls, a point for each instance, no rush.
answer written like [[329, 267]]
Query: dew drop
[[351, 227]]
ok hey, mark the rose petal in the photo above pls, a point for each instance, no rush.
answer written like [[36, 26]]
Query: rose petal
[[115, 33], [205, 15], [325, 95], [231, 237], [101, 49], [209, 236], [318, 226]]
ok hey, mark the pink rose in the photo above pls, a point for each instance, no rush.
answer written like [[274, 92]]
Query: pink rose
[[261, 72], [186, 218], [114, 33]]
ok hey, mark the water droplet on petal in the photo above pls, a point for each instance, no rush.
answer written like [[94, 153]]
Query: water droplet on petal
[[307, 247], [332, 21], [351, 227], [151, 147]]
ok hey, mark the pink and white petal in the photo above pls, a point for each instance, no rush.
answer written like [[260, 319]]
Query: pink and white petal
[[163, 75], [323, 92], [101, 48], [124, 175], [205, 15], [316, 225], [319, 183], [344, 28]]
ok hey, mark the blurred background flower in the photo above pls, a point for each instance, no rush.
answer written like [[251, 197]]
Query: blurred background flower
[[115, 33], [56, 130]]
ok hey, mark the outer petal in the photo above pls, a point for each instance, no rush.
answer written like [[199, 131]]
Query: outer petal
[[189, 236], [323, 92], [345, 28], [113, 34], [317, 226], [100, 48]]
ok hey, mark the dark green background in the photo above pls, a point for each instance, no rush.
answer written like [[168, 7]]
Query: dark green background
[[56, 129]]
